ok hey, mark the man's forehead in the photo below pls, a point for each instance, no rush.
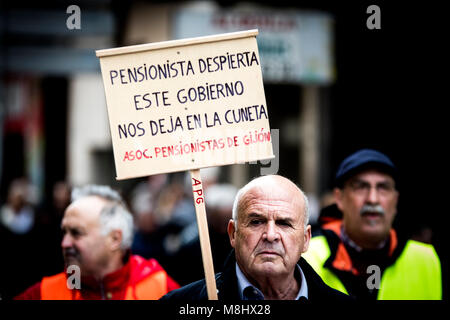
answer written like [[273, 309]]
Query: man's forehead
[[372, 175], [270, 186], [273, 215], [262, 201], [257, 195], [72, 220], [85, 210]]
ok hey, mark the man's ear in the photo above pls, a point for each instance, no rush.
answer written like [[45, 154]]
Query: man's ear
[[307, 237], [115, 239], [338, 197], [231, 232], [396, 195]]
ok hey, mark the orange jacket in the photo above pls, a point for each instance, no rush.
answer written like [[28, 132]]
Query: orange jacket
[[139, 279]]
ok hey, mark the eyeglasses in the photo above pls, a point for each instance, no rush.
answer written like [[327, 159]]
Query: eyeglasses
[[363, 188]]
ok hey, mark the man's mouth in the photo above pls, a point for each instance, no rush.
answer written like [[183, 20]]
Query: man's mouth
[[268, 252], [372, 218], [371, 214]]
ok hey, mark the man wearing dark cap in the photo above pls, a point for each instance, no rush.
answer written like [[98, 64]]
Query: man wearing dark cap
[[358, 252]]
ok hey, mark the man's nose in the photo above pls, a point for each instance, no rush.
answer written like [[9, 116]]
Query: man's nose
[[66, 241], [372, 197], [271, 232]]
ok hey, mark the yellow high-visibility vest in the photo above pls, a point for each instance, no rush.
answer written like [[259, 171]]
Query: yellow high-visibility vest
[[415, 275]]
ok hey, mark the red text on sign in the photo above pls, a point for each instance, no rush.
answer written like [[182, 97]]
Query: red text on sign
[[198, 194]]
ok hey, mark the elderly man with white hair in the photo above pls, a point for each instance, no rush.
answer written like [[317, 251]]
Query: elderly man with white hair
[[268, 232], [97, 234]]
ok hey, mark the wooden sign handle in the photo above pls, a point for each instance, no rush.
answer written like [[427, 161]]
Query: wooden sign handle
[[200, 211]]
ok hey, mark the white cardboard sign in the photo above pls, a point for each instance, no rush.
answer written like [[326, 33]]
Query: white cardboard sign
[[186, 104]]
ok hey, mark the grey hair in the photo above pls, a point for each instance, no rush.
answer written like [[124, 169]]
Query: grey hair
[[114, 216], [250, 185]]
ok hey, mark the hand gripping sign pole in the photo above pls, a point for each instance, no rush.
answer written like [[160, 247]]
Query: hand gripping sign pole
[[187, 104]]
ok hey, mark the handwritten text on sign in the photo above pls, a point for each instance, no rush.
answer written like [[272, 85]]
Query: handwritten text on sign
[[186, 104]]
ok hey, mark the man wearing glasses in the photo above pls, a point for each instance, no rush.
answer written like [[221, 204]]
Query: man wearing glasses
[[361, 254]]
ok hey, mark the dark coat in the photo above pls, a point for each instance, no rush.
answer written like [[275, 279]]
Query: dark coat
[[227, 286]]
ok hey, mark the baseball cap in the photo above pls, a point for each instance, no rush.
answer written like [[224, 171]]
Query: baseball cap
[[361, 160]]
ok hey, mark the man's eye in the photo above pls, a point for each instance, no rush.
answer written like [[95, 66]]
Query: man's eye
[[283, 223], [75, 233], [255, 222], [385, 187]]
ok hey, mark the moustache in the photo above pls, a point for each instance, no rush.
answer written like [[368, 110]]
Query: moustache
[[372, 208], [71, 253]]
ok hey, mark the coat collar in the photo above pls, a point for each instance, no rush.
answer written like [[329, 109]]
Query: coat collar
[[227, 283], [340, 257]]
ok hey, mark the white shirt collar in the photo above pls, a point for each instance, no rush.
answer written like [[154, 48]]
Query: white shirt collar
[[243, 283]]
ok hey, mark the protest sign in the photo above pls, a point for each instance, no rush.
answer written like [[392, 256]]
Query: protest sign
[[184, 105]]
